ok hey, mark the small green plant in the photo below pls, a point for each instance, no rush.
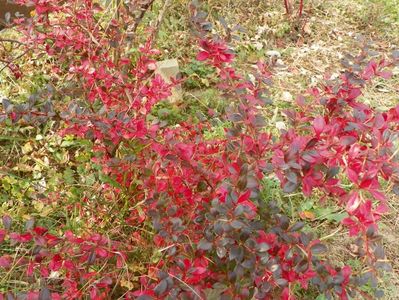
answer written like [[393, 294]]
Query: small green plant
[[198, 75]]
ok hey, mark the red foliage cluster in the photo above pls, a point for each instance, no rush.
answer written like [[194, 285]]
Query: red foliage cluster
[[350, 139], [73, 256], [201, 197]]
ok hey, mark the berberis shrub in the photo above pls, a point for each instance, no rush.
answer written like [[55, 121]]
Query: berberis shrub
[[196, 202]]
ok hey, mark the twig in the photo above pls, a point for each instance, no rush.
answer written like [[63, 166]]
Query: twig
[[189, 287], [394, 154], [287, 7], [300, 11], [331, 235], [11, 41], [8, 63], [137, 21], [161, 17], [131, 29]]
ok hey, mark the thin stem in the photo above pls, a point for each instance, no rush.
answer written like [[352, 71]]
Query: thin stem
[[161, 17], [300, 11], [11, 41], [189, 287], [332, 234], [287, 7]]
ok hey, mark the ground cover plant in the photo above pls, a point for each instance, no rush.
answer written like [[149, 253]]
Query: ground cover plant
[[158, 209]]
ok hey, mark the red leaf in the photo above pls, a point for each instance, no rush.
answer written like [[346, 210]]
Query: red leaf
[[44, 272], [244, 197], [319, 124], [353, 202], [69, 265], [378, 195], [300, 100], [347, 140], [354, 93], [30, 269], [3, 233], [55, 263], [34, 296], [346, 271], [102, 252], [198, 271], [366, 183], [186, 151], [382, 209], [5, 261], [353, 227], [309, 158], [379, 121], [120, 260], [286, 295], [370, 70], [26, 237], [40, 230], [21, 238], [385, 74], [352, 175], [203, 55]]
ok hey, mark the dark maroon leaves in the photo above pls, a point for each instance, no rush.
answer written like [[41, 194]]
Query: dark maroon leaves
[[249, 263], [29, 224], [292, 177], [204, 245], [263, 247], [239, 210], [259, 121], [221, 252], [10, 296], [332, 172], [395, 189], [290, 187], [282, 282], [318, 249], [265, 288], [235, 117], [312, 142], [144, 297], [237, 224], [7, 106], [302, 266], [44, 294], [91, 258], [236, 253], [310, 156], [379, 252], [379, 294], [384, 266], [7, 222], [297, 226], [161, 287]]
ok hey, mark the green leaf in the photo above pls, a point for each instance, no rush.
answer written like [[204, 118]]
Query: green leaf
[[69, 176], [106, 179], [90, 179]]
